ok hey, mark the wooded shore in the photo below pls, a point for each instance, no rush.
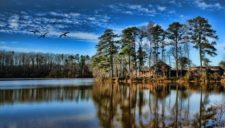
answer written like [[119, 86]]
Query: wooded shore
[[142, 80]]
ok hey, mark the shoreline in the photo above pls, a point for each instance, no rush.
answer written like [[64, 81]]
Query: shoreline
[[149, 80]]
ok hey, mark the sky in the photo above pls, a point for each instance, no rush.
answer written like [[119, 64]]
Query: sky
[[86, 20]]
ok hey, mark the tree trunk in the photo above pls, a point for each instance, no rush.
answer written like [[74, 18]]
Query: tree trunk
[[111, 60], [176, 57], [200, 55], [129, 64]]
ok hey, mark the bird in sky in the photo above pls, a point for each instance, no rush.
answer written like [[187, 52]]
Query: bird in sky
[[43, 35], [63, 34], [35, 31]]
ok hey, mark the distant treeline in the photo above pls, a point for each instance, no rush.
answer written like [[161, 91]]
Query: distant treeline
[[41, 65]]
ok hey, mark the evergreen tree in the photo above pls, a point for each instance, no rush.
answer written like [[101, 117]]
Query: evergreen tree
[[202, 34], [128, 45], [141, 55], [106, 49], [175, 33], [157, 36]]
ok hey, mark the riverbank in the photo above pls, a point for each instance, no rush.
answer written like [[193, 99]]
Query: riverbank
[[160, 80]]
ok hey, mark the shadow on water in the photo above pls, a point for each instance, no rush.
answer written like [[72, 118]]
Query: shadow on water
[[113, 105]]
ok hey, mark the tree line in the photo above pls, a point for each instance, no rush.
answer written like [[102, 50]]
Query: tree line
[[137, 48], [41, 65]]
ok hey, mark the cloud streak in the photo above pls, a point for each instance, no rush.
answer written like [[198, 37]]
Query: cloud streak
[[204, 5], [133, 9]]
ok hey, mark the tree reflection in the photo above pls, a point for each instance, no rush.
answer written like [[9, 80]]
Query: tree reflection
[[149, 105], [45, 94], [136, 105]]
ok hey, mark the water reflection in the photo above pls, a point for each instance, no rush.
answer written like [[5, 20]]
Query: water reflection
[[112, 105], [47, 94], [160, 105]]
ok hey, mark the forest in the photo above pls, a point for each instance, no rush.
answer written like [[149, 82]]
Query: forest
[[149, 47], [43, 65]]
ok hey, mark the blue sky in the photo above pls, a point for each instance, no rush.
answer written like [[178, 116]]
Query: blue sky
[[87, 19]]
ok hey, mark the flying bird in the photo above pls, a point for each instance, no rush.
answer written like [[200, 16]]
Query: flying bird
[[64, 34], [35, 31], [43, 35]]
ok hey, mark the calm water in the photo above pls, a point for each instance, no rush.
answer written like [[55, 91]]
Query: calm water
[[82, 103]]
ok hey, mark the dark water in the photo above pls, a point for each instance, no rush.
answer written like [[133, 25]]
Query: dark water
[[82, 103]]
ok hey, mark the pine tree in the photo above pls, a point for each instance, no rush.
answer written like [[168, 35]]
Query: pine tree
[[141, 55], [106, 49], [175, 33], [157, 36], [202, 35], [128, 39]]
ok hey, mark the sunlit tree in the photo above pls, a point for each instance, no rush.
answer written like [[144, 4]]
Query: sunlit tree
[[203, 36], [175, 33], [106, 49], [128, 40]]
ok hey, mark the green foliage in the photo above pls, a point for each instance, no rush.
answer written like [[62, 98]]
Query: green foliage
[[128, 39], [183, 62], [202, 34], [157, 38], [106, 49], [141, 53], [176, 33]]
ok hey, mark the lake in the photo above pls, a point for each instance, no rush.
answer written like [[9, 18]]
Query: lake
[[84, 103]]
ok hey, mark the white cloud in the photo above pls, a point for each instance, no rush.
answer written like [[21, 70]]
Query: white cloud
[[85, 36], [129, 12], [75, 14], [161, 8], [204, 5], [58, 14], [65, 15], [91, 18], [13, 22], [2, 24], [133, 9], [141, 9]]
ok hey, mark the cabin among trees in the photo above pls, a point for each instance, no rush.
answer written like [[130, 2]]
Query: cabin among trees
[[211, 72], [160, 69], [211, 69], [163, 70]]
